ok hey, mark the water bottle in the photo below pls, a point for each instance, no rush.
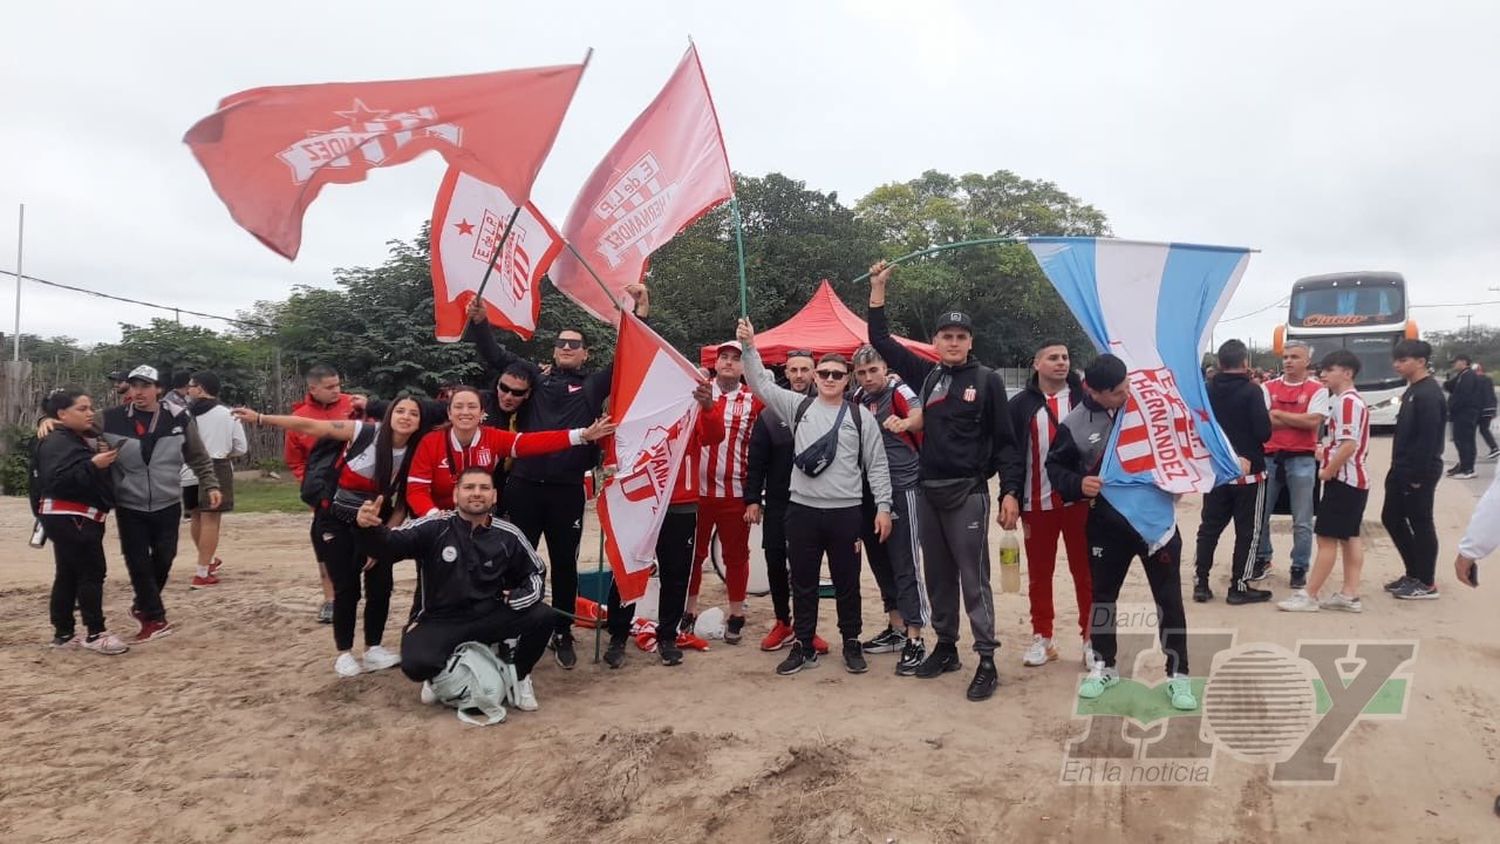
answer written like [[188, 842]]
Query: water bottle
[[1010, 562]]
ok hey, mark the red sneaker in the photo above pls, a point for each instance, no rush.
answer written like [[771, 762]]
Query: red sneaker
[[819, 645], [151, 631], [780, 636], [213, 566], [204, 582]]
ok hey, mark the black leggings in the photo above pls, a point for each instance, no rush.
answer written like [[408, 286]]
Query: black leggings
[[674, 561], [428, 642], [339, 553], [553, 511], [78, 549]]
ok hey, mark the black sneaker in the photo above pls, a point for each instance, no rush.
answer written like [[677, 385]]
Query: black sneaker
[[734, 630], [669, 652], [1201, 592], [1452, 470], [854, 657], [1493, 455], [1396, 584], [986, 680], [562, 650], [1416, 590], [888, 641], [1246, 595], [801, 657], [1260, 571], [614, 655], [1463, 475], [1298, 580], [944, 658], [912, 654]]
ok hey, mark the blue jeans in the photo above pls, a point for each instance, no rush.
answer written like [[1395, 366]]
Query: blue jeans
[[1299, 473]]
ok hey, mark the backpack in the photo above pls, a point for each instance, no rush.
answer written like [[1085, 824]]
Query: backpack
[[477, 683], [326, 459]]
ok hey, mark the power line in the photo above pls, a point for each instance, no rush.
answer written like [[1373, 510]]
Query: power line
[[174, 310], [1458, 304], [1279, 303]]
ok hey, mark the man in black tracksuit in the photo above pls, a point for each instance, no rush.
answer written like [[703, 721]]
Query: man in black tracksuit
[[1416, 467], [544, 495], [1465, 403], [967, 438], [1487, 412], [1240, 407]]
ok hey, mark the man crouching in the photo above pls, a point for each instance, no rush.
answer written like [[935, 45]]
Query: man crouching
[[478, 578]]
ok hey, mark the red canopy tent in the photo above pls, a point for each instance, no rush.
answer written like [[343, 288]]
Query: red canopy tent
[[825, 324]]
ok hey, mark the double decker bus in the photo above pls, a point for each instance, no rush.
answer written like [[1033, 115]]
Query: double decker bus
[[1364, 312]]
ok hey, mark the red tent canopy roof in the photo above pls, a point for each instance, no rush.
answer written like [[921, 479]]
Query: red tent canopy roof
[[825, 324]]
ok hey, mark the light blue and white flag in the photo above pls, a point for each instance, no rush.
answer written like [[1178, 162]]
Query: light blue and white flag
[[1153, 305]]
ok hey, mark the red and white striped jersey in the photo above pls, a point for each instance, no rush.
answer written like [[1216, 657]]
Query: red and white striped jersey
[[722, 472], [1039, 493], [1349, 421]]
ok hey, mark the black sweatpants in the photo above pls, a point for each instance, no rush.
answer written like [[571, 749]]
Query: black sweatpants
[[148, 542], [811, 533], [78, 550], [1485, 420], [1113, 546], [674, 563], [896, 562], [1465, 423], [429, 642], [345, 566], [1243, 504], [773, 543], [554, 511], [1407, 516]]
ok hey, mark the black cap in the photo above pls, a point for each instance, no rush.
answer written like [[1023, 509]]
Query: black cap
[[955, 319], [118, 375]]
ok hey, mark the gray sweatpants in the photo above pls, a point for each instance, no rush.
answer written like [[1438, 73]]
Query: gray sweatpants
[[956, 554]]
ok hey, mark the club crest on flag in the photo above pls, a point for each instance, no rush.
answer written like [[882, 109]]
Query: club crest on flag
[[389, 132], [650, 478], [1157, 435], [634, 208]]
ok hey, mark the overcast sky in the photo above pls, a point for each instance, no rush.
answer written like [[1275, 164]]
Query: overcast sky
[[1330, 135]]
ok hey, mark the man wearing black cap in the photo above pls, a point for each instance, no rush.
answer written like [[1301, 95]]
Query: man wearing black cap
[[968, 438]]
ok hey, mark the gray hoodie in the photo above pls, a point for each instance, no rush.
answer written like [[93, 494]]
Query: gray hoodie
[[841, 484]]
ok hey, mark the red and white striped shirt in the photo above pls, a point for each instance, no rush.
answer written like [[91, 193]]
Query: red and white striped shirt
[[722, 472], [1039, 493], [1349, 422]]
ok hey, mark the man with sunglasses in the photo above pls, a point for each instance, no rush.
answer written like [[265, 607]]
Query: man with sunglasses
[[968, 436], [544, 496]]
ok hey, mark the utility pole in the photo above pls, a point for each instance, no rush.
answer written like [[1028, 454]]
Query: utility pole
[[20, 238], [1468, 325]]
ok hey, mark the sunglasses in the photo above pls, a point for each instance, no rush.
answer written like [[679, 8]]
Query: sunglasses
[[567, 343], [832, 374], [514, 391]]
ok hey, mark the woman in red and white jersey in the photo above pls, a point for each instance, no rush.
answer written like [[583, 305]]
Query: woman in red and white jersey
[[446, 452]]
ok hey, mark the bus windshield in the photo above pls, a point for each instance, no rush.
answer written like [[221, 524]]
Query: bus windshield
[[1327, 307], [1376, 369]]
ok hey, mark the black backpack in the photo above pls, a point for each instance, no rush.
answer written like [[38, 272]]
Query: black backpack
[[325, 460]]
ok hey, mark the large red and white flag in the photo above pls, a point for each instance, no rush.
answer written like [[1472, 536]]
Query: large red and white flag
[[654, 411], [268, 151], [469, 217], [666, 171]]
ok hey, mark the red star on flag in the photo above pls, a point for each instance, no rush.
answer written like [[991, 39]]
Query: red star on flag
[[464, 226]]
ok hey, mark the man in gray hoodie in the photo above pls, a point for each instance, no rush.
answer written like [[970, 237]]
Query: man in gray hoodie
[[838, 449]]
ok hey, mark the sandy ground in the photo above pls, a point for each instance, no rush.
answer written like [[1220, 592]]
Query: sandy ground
[[237, 729]]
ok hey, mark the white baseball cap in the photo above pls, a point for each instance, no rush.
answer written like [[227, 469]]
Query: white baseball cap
[[145, 373]]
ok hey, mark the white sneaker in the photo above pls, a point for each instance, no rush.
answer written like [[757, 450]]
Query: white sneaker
[[1339, 601], [378, 658], [1041, 652], [105, 643], [429, 697], [525, 695], [1299, 602], [1088, 654], [347, 666]]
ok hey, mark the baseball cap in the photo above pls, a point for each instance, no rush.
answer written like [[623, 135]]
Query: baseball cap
[[730, 344], [117, 376], [144, 373], [955, 319]]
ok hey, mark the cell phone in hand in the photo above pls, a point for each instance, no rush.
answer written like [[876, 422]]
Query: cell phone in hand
[[1474, 574]]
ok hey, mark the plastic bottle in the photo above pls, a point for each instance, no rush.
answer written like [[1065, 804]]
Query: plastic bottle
[[1010, 562]]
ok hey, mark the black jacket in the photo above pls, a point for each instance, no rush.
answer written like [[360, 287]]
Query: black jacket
[[65, 472], [565, 398], [1024, 405], [1078, 452], [461, 570], [1239, 405], [1465, 393], [1417, 448], [768, 469], [963, 436], [1486, 396]]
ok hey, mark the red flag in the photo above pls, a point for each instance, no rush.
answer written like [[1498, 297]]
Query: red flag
[[666, 171], [268, 151], [469, 217], [654, 409]]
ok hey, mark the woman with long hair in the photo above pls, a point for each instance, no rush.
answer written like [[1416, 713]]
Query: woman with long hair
[[375, 462], [73, 494]]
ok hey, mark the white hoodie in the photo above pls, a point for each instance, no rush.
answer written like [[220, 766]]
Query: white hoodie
[[223, 438], [1483, 534]]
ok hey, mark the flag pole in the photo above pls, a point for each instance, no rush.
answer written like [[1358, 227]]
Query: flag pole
[[495, 253], [597, 279], [739, 245], [944, 247]]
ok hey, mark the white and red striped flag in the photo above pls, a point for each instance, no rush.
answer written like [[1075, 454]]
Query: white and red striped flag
[[654, 411], [469, 217], [666, 171]]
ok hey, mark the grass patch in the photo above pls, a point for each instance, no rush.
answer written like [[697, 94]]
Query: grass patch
[[264, 495]]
